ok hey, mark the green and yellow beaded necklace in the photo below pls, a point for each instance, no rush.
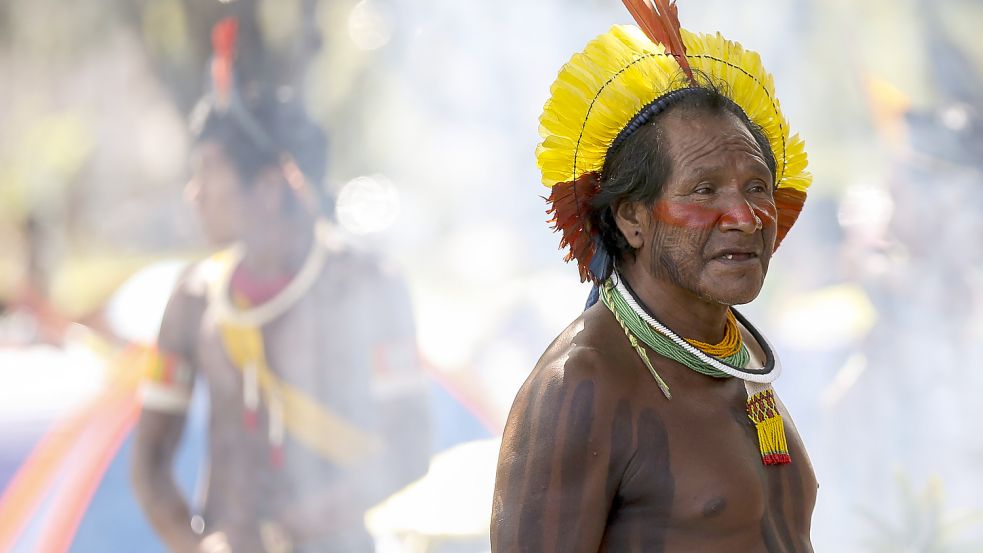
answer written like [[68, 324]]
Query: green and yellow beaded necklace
[[726, 359]]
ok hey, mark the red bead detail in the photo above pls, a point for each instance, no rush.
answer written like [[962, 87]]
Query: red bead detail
[[276, 456], [777, 459], [250, 419]]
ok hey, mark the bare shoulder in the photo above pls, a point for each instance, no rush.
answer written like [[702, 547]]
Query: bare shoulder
[[182, 317], [587, 372], [355, 266], [368, 287], [593, 349]]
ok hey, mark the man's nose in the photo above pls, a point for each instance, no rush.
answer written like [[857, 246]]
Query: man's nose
[[740, 215]]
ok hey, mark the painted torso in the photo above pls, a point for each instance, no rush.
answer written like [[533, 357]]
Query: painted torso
[[595, 458], [695, 481]]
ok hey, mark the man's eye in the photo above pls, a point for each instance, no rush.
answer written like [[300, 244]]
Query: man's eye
[[703, 189], [757, 187]]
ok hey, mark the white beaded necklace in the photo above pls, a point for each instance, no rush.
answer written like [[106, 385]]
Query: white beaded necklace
[[220, 301]]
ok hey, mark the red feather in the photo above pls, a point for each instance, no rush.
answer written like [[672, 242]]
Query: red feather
[[570, 206], [224, 46], [659, 19]]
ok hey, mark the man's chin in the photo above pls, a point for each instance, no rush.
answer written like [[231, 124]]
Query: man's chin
[[739, 293], [218, 238], [730, 299]]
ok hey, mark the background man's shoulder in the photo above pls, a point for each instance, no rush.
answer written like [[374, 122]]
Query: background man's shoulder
[[185, 307], [351, 262]]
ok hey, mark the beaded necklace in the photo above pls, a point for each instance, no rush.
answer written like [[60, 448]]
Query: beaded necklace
[[667, 343], [723, 360]]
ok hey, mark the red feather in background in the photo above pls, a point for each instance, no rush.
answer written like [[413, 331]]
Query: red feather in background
[[224, 46]]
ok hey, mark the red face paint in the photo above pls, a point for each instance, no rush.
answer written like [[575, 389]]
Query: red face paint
[[741, 214], [685, 214]]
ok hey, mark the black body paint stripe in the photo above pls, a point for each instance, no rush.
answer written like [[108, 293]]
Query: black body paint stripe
[[653, 448], [543, 444], [576, 459], [511, 481], [775, 510], [621, 437]]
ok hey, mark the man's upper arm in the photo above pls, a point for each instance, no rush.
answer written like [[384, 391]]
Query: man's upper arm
[[559, 466], [168, 373]]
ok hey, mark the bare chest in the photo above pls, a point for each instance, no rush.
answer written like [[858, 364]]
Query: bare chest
[[697, 483]]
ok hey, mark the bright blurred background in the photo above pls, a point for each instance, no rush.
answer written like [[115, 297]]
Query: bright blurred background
[[875, 301]]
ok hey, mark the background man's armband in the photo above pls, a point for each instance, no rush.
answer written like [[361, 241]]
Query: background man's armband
[[396, 370], [167, 383]]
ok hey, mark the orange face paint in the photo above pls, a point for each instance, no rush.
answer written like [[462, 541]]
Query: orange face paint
[[691, 215], [767, 213]]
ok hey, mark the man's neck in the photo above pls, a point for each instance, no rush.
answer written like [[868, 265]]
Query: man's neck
[[684, 312], [279, 248]]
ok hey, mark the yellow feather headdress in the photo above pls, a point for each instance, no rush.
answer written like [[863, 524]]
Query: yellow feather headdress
[[621, 72]]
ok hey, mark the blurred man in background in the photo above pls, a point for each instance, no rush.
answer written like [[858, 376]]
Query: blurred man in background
[[317, 404]]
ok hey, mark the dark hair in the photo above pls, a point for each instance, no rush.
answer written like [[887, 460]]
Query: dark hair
[[637, 165], [258, 128]]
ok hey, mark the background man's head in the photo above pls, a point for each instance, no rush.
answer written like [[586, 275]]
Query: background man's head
[[690, 196], [237, 174]]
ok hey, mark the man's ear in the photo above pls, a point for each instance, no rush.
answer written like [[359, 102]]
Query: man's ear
[[633, 220]]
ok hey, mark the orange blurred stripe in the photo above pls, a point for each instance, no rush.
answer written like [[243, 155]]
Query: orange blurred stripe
[[110, 429], [37, 475]]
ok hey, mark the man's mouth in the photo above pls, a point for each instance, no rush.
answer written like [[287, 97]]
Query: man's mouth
[[736, 257]]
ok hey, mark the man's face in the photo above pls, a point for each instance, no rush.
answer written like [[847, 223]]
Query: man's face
[[216, 190], [714, 224]]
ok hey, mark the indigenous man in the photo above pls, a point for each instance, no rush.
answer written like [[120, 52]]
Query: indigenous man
[[307, 347], [650, 423]]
